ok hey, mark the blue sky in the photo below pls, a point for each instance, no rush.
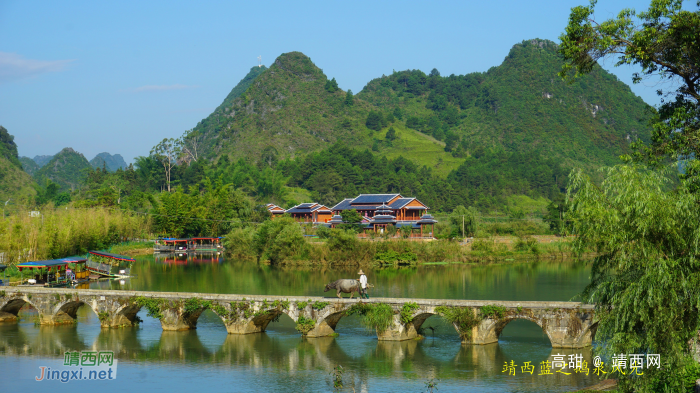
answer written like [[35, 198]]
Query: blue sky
[[121, 76]]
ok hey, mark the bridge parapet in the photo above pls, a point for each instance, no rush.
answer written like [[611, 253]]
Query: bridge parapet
[[567, 324]]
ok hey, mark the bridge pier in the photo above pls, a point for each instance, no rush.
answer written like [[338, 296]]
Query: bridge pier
[[398, 331]]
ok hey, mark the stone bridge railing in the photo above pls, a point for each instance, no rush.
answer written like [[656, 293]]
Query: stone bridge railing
[[567, 324]]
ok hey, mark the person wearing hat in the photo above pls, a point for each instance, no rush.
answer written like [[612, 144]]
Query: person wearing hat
[[363, 285]]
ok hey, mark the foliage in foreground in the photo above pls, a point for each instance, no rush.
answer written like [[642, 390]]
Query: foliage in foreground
[[646, 278]]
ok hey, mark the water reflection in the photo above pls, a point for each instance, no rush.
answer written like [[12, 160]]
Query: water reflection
[[552, 281], [281, 350], [281, 360]]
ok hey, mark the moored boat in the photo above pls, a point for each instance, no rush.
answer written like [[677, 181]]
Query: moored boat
[[109, 265]]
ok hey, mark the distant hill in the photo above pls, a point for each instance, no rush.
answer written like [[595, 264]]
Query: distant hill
[[42, 160], [112, 162], [15, 184], [28, 165], [520, 105], [65, 169], [283, 111]]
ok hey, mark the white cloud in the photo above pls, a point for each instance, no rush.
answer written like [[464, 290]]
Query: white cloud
[[160, 88], [14, 66]]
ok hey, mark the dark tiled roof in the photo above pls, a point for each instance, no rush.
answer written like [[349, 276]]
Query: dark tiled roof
[[401, 202], [343, 205], [307, 208], [427, 219], [373, 198], [384, 209]]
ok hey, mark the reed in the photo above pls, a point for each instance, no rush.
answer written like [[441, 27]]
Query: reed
[[60, 232]]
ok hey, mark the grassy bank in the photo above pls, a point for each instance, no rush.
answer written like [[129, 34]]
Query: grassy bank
[[283, 242], [133, 248]]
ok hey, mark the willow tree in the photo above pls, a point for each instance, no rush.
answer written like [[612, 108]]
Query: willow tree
[[645, 227]]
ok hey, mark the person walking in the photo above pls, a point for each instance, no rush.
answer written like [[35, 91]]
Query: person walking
[[363, 285]]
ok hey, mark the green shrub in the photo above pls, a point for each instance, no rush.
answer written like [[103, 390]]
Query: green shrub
[[304, 325], [493, 311], [463, 317], [377, 316], [407, 311]]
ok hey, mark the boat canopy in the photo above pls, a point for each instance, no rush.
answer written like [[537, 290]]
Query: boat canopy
[[175, 240], [112, 256], [74, 260], [205, 238], [57, 263]]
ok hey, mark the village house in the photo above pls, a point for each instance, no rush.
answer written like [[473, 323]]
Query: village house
[[275, 211], [403, 209], [310, 213]]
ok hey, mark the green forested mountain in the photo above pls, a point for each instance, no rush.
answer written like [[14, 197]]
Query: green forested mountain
[[286, 110], [28, 165], [111, 162], [67, 169], [518, 106], [42, 160], [15, 184]]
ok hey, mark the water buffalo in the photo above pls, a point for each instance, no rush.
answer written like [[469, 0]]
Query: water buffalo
[[344, 285]]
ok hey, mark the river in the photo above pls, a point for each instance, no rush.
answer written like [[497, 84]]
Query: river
[[280, 360]]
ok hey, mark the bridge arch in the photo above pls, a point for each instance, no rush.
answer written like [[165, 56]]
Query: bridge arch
[[10, 307]]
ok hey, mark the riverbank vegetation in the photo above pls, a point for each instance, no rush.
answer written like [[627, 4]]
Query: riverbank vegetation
[[285, 241], [60, 232]]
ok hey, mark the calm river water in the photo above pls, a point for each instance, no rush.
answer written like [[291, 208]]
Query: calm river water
[[279, 360]]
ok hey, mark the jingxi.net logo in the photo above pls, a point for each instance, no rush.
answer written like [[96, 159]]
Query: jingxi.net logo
[[81, 366]]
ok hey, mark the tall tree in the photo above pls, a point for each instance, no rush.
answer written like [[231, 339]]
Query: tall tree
[[166, 152], [349, 99], [645, 278], [664, 42]]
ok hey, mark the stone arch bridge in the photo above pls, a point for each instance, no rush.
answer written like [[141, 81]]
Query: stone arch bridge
[[567, 324]]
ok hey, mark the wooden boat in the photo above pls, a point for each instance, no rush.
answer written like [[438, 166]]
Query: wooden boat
[[109, 265], [49, 272]]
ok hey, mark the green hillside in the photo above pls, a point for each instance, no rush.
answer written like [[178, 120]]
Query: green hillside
[[28, 165], [15, 184], [111, 162], [67, 169], [286, 110], [520, 105]]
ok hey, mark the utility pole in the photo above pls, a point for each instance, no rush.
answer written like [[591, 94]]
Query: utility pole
[[462, 226]]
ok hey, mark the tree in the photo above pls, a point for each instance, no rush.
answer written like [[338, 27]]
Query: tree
[[645, 278], [374, 120], [464, 221], [278, 239], [351, 216], [190, 143], [391, 134], [166, 152], [349, 99], [332, 86], [663, 41]]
